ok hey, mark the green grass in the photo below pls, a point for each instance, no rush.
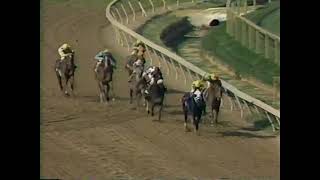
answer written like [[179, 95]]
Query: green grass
[[267, 17], [240, 58], [272, 22]]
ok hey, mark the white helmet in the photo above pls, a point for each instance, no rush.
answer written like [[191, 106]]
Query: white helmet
[[65, 46], [160, 81], [139, 62]]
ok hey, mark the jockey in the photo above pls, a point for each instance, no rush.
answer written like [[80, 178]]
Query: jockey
[[154, 73], [132, 58], [135, 51], [197, 85], [140, 45], [213, 78], [196, 89], [104, 55], [64, 51], [138, 63]]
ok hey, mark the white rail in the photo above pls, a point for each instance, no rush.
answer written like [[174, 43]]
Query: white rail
[[229, 89]]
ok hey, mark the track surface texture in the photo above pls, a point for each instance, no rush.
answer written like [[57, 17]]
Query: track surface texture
[[83, 139]]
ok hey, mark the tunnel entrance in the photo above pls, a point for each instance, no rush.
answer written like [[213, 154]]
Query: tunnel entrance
[[214, 22]]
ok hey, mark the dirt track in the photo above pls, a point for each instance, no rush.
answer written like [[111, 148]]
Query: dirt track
[[82, 139]]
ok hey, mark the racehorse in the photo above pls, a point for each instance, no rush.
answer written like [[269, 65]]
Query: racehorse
[[193, 106], [212, 95], [137, 85], [103, 72], [65, 73], [155, 97]]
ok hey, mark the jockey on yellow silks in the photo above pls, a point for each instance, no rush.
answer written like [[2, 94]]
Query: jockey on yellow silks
[[65, 51]]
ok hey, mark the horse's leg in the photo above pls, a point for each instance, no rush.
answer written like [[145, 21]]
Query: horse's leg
[[212, 115], [72, 83], [185, 120], [152, 109], [138, 98], [197, 120], [100, 92], [160, 110], [195, 123], [131, 93], [59, 81], [148, 110], [217, 114], [107, 92], [65, 86], [144, 102]]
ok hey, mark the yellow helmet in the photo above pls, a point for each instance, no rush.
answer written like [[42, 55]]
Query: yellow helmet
[[65, 46], [196, 84], [106, 50], [214, 76], [138, 42]]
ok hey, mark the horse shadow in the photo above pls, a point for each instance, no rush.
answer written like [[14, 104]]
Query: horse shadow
[[238, 133], [175, 112]]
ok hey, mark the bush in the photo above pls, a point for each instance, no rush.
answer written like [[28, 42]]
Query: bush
[[174, 33]]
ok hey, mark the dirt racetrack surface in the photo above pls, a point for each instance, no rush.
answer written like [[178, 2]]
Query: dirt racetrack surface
[[83, 139]]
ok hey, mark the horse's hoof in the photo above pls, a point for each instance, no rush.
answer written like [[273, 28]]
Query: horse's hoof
[[148, 112]]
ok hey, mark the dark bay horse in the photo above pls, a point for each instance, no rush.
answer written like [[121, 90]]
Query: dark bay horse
[[155, 97], [103, 72], [212, 96], [191, 106], [65, 73]]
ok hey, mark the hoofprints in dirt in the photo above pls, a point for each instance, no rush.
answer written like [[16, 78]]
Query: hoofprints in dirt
[[82, 139]]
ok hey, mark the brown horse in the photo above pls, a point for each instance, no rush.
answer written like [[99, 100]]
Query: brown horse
[[212, 96], [103, 72], [137, 85], [65, 73]]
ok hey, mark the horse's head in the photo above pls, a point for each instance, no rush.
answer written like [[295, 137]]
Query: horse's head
[[100, 64]]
